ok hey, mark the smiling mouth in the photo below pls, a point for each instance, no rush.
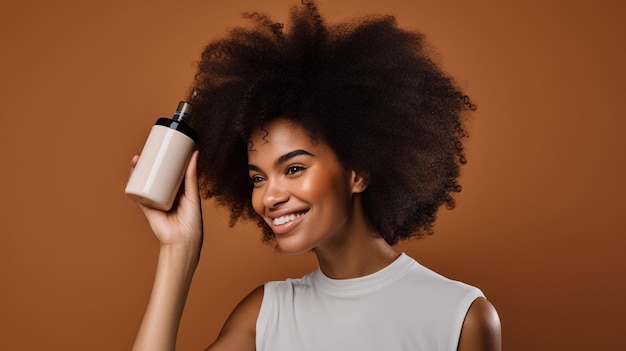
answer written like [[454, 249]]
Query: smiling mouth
[[288, 218]]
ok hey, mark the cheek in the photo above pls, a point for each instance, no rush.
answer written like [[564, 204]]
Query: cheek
[[314, 188], [308, 186], [257, 201], [323, 187]]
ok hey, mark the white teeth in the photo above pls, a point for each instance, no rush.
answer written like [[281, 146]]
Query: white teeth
[[285, 219]]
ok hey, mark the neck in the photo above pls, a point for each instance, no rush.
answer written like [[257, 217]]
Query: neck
[[357, 252]]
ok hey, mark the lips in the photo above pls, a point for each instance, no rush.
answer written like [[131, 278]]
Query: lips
[[287, 218], [285, 223]]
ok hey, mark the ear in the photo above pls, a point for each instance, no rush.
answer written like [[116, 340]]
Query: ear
[[359, 182]]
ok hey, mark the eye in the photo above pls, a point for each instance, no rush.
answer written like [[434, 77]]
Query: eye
[[256, 179], [291, 170]]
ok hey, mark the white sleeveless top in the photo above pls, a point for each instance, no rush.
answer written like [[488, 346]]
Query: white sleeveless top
[[404, 306]]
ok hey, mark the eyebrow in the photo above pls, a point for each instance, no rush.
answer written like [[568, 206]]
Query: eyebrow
[[284, 158]]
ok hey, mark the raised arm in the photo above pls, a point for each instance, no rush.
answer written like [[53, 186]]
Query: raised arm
[[179, 233]]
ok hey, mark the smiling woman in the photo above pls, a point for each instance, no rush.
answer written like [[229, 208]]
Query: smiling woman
[[301, 190], [341, 140]]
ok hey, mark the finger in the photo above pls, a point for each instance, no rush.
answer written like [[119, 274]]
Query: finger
[[133, 161], [191, 176]]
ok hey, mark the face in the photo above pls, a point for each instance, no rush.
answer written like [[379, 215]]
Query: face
[[301, 189]]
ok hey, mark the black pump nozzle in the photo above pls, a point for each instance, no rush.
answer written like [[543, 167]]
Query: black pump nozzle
[[183, 112]]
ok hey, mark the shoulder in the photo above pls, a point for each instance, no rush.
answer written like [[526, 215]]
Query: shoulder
[[239, 331], [290, 285], [456, 295], [481, 328]]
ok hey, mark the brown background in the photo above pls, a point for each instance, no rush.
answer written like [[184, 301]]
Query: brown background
[[539, 226]]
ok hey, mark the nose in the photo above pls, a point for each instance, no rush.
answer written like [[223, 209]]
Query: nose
[[275, 194]]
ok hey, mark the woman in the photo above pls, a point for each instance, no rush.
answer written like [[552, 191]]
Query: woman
[[339, 140]]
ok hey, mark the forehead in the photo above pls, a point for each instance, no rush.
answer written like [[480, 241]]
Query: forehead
[[281, 136], [276, 133]]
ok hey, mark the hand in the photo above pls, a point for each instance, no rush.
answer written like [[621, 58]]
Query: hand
[[183, 223]]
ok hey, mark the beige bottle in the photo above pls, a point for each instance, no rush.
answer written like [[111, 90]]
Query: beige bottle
[[159, 171]]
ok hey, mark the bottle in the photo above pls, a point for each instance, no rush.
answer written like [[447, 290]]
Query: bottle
[[157, 176]]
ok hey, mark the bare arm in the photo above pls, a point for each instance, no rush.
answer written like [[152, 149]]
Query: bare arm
[[180, 236], [169, 292], [179, 233], [239, 331], [481, 328]]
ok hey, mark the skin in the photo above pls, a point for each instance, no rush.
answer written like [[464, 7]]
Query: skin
[[313, 180], [292, 175]]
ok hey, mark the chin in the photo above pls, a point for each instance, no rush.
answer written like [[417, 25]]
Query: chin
[[291, 248]]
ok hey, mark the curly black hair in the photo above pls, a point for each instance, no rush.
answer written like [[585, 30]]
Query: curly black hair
[[366, 87]]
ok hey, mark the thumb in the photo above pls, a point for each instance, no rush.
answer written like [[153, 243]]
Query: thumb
[[191, 177]]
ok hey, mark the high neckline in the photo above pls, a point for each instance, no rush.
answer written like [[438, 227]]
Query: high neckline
[[364, 284]]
